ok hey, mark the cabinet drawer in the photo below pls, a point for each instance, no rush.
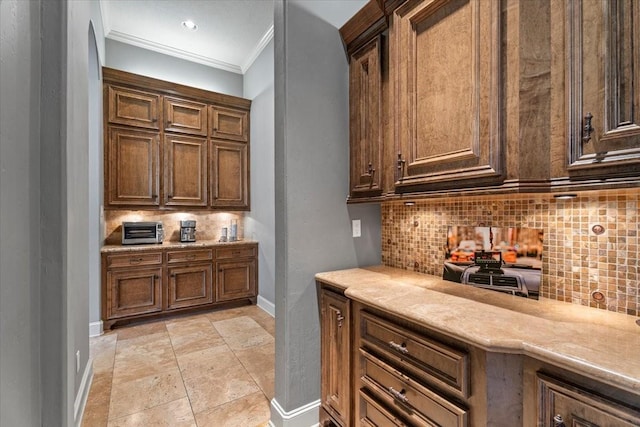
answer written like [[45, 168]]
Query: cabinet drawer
[[133, 107], [419, 405], [239, 252], [133, 259], [174, 257], [375, 415], [432, 361]]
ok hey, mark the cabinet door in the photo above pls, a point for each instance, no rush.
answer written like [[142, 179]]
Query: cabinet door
[[604, 86], [446, 68], [186, 171], [133, 168], [335, 355], [228, 123], [236, 280], [579, 408], [229, 175], [190, 285], [133, 291], [185, 116], [365, 121], [133, 107]]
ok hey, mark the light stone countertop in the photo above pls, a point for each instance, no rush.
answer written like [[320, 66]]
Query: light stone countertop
[[172, 245], [596, 343]]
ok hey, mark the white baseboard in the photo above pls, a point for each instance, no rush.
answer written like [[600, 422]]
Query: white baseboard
[[95, 329], [83, 392], [304, 416], [267, 306]]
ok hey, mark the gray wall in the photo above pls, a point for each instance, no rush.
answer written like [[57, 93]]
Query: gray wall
[[133, 59], [260, 222], [313, 228], [19, 213]]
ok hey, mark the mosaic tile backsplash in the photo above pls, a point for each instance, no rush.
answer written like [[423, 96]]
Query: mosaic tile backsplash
[[208, 224], [577, 261]]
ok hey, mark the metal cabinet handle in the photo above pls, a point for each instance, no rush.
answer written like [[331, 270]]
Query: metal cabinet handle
[[154, 120], [399, 395], [191, 256], [587, 129], [170, 196], [155, 276], [558, 421], [400, 166], [400, 348], [340, 318], [135, 260]]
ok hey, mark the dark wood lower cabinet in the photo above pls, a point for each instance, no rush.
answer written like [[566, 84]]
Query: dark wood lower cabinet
[[143, 284], [133, 291], [189, 285], [236, 279]]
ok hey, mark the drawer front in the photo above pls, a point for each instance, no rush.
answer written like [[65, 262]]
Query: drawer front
[[174, 257], [133, 259], [238, 252], [375, 415], [433, 361], [419, 405]]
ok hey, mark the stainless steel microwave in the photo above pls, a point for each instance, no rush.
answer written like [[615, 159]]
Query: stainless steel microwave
[[134, 233]]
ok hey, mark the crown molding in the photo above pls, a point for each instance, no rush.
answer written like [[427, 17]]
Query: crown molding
[[167, 50], [264, 41]]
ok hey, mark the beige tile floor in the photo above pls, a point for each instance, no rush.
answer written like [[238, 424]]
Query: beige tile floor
[[210, 369]]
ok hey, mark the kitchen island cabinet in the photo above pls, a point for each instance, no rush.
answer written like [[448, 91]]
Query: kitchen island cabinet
[[431, 352], [147, 281]]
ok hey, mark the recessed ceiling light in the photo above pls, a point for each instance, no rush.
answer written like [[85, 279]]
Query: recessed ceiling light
[[189, 25]]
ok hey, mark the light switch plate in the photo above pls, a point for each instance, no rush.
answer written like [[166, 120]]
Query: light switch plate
[[355, 228]]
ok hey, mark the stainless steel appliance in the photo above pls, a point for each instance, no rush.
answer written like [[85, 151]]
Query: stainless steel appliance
[[188, 231], [135, 233]]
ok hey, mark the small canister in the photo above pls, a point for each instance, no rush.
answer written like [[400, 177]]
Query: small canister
[[223, 234]]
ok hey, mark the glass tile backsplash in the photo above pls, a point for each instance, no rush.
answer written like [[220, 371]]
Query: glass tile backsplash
[[590, 242]]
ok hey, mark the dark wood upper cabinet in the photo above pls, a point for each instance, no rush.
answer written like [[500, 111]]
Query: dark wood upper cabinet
[[186, 171], [169, 146], [229, 123], [184, 116], [365, 114], [446, 75], [603, 71], [229, 175], [133, 107], [132, 168]]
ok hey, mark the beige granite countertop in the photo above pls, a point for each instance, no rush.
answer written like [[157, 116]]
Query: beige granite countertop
[[595, 343], [171, 245]]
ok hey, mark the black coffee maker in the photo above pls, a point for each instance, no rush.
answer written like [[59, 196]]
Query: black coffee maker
[[188, 231]]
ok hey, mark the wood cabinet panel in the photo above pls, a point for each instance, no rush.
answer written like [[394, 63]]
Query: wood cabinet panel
[[335, 355], [133, 168], [579, 408], [133, 107], [236, 279], [365, 109], [604, 87], [231, 124], [133, 291], [190, 285], [446, 57], [185, 116], [180, 256], [236, 252], [186, 171], [229, 175], [135, 259]]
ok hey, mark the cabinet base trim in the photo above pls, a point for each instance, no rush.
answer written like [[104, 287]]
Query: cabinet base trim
[[83, 393], [95, 329], [267, 305], [306, 415]]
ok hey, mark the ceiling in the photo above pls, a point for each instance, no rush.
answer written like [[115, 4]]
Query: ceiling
[[230, 34]]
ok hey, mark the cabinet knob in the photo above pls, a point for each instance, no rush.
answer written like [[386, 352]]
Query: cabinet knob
[[154, 120], [400, 348], [135, 260], [558, 421], [170, 196], [587, 129], [154, 196], [191, 256], [399, 395], [400, 165], [155, 276]]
